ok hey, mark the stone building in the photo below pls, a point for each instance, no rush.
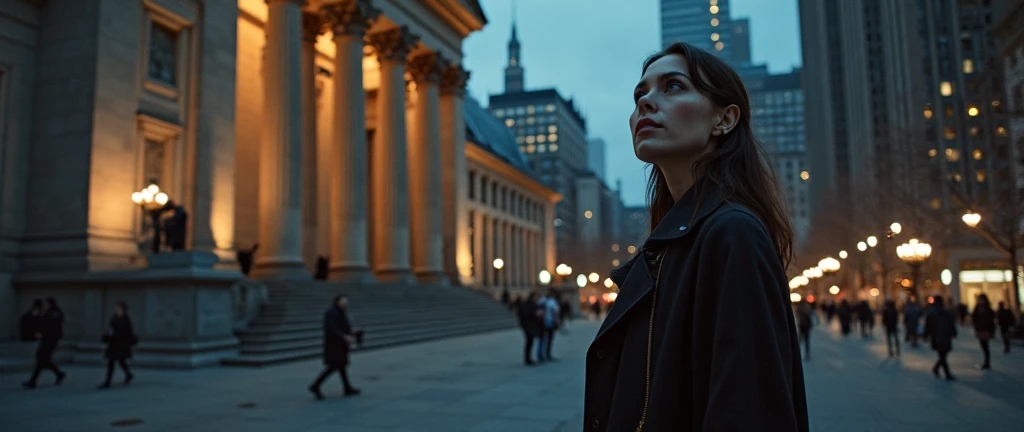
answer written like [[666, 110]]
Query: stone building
[[331, 128]]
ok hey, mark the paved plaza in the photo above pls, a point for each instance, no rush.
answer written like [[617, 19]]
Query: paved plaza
[[478, 383]]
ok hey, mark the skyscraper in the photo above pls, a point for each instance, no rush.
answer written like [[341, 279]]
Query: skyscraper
[[514, 77], [741, 42], [703, 23], [595, 157]]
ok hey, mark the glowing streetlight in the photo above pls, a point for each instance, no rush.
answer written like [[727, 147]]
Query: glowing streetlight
[[829, 265], [861, 246], [608, 283], [581, 280], [843, 254], [594, 277], [499, 263], [896, 228], [872, 241], [914, 253], [874, 292], [972, 219], [544, 277], [152, 200], [834, 290], [795, 297]]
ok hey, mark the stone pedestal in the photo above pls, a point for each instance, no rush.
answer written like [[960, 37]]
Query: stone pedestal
[[181, 307]]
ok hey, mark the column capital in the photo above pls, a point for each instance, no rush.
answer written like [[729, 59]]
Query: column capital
[[393, 44], [426, 68], [454, 79], [349, 17], [312, 26]]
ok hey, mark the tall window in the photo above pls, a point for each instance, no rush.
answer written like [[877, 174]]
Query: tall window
[[162, 54]]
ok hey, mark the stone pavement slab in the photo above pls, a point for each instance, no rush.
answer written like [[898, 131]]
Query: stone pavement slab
[[478, 384]]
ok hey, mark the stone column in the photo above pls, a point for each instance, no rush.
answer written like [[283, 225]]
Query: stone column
[[531, 257], [478, 248], [312, 26], [454, 182], [506, 253], [425, 172], [349, 245], [487, 252], [390, 180], [547, 222], [280, 182]]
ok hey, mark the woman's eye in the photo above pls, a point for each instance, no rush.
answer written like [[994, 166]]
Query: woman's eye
[[637, 96], [674, 85]]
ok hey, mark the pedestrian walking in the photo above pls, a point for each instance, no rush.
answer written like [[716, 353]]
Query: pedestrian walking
[[911, 320], [564, 314], [506, 299], [702, 335], [1006, 321], [339, 335], [120, 338], [940, 328], [595, 307], [49, 334], [890, 320], [984, 319], [29, 324], [803, 324], [530, 320], [845, 313], [962, 313], [549, 305], [866, 318]]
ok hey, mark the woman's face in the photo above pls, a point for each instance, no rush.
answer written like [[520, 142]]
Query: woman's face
[[118, 310], [671, 118]]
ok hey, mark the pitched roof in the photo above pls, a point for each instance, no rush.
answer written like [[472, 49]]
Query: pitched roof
[[486, 131]]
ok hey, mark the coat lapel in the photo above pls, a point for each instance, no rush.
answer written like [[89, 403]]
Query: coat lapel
[[637, 284]]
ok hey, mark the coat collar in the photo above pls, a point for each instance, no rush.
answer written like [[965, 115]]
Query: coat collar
[[696, 204]]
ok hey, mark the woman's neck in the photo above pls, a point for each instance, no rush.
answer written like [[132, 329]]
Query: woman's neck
[[678, 175]]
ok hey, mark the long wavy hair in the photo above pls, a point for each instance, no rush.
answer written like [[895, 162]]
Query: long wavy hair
[[736, 162]]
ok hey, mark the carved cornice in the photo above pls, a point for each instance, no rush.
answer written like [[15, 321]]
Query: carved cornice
[[349, 17], [394, 44], [454, 79], [312, 26], [426, 67]]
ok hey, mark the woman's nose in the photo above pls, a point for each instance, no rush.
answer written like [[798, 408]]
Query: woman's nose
[[646, 105]]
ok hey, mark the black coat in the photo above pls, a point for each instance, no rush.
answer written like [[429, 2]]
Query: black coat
[[51, 329], [120, 338], [940, 327], [528, 319], [336, 327], [1005, 318], [29, 325], [890, 318], [984, 319], [724, 351]]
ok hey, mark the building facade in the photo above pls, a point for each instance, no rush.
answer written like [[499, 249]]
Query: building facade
[[777, 108], [332, 128], [596, 158], [705, 24]]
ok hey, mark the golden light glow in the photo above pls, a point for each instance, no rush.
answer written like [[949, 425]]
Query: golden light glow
[[615, 247], [719, 46], [714, 9], [861, 246], [714, 22], [1001, 131], [510, 122], [552, 129], [795, 297], [843, 254], [928, 113], [936, 203], [872, 241], [980, 175], [905, 283], [834, 290], [594, 277], [531, 139], [933, 152], [972, 219], [531, 148], [553, 137], [499, 263], [715, 37], [952, 155], [874, 292], [968, 66], [972, 111], [542, 138], [895, 227], [977, 154], [553, 147], [949, 133], [615, 262], [946, 88], [544, 277], [608, 283], [588, 214], [631, 249], [995, 104], [804, 175]]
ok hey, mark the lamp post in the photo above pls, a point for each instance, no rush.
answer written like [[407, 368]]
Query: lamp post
[[152, 201], [914, 253], [498, 265], [544, 277]]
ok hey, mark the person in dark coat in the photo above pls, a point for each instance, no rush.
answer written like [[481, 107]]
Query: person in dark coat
[[29, 324], [891, 320], [120, 338], [50, 332], [845, 313], [176, 226], [866, 317], [530, 316], [1006, 321], [702, 334], [803, 324], [962, 313], [911, 319], [338, 338], [940, 328], [984, 319]]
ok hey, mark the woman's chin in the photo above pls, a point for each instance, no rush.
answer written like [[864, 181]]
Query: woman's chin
[[647, 150]]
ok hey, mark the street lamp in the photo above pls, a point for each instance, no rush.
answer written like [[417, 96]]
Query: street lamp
[[914, 253], [861, 246], [972, 219], [828, 265], [544, 277], [594, 277], [896, 228], [608, 283], [581, 280], [152, 201], [498, 265], [843, 254], [834, 290], [872, 241]]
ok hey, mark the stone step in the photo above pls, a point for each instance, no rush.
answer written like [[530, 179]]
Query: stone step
[[374, 324], [261, 360], [366, 313], [315, 338]]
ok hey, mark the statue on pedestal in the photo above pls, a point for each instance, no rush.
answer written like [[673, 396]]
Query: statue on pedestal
[[175, 226]]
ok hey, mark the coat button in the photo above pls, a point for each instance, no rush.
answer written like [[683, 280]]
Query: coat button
[[596, 424]]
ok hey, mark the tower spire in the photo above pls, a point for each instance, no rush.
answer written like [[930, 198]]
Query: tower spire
[[514, 68]]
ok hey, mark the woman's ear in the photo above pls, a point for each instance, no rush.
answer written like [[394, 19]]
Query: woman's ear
[[728, 118]]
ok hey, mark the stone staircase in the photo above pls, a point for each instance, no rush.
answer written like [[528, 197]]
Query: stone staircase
[[290, 326]]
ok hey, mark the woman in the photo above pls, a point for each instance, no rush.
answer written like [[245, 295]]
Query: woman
[[49, 332], [702, 336], [530, 322], [120, 338], [984, 319], [1006, 321]]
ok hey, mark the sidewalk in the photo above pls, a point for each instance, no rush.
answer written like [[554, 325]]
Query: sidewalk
[[478, 383]]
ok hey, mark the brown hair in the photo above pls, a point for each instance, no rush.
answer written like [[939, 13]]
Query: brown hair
[[737, 162]]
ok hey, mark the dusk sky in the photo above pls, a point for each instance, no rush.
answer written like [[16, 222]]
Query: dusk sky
[[592, 50]]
